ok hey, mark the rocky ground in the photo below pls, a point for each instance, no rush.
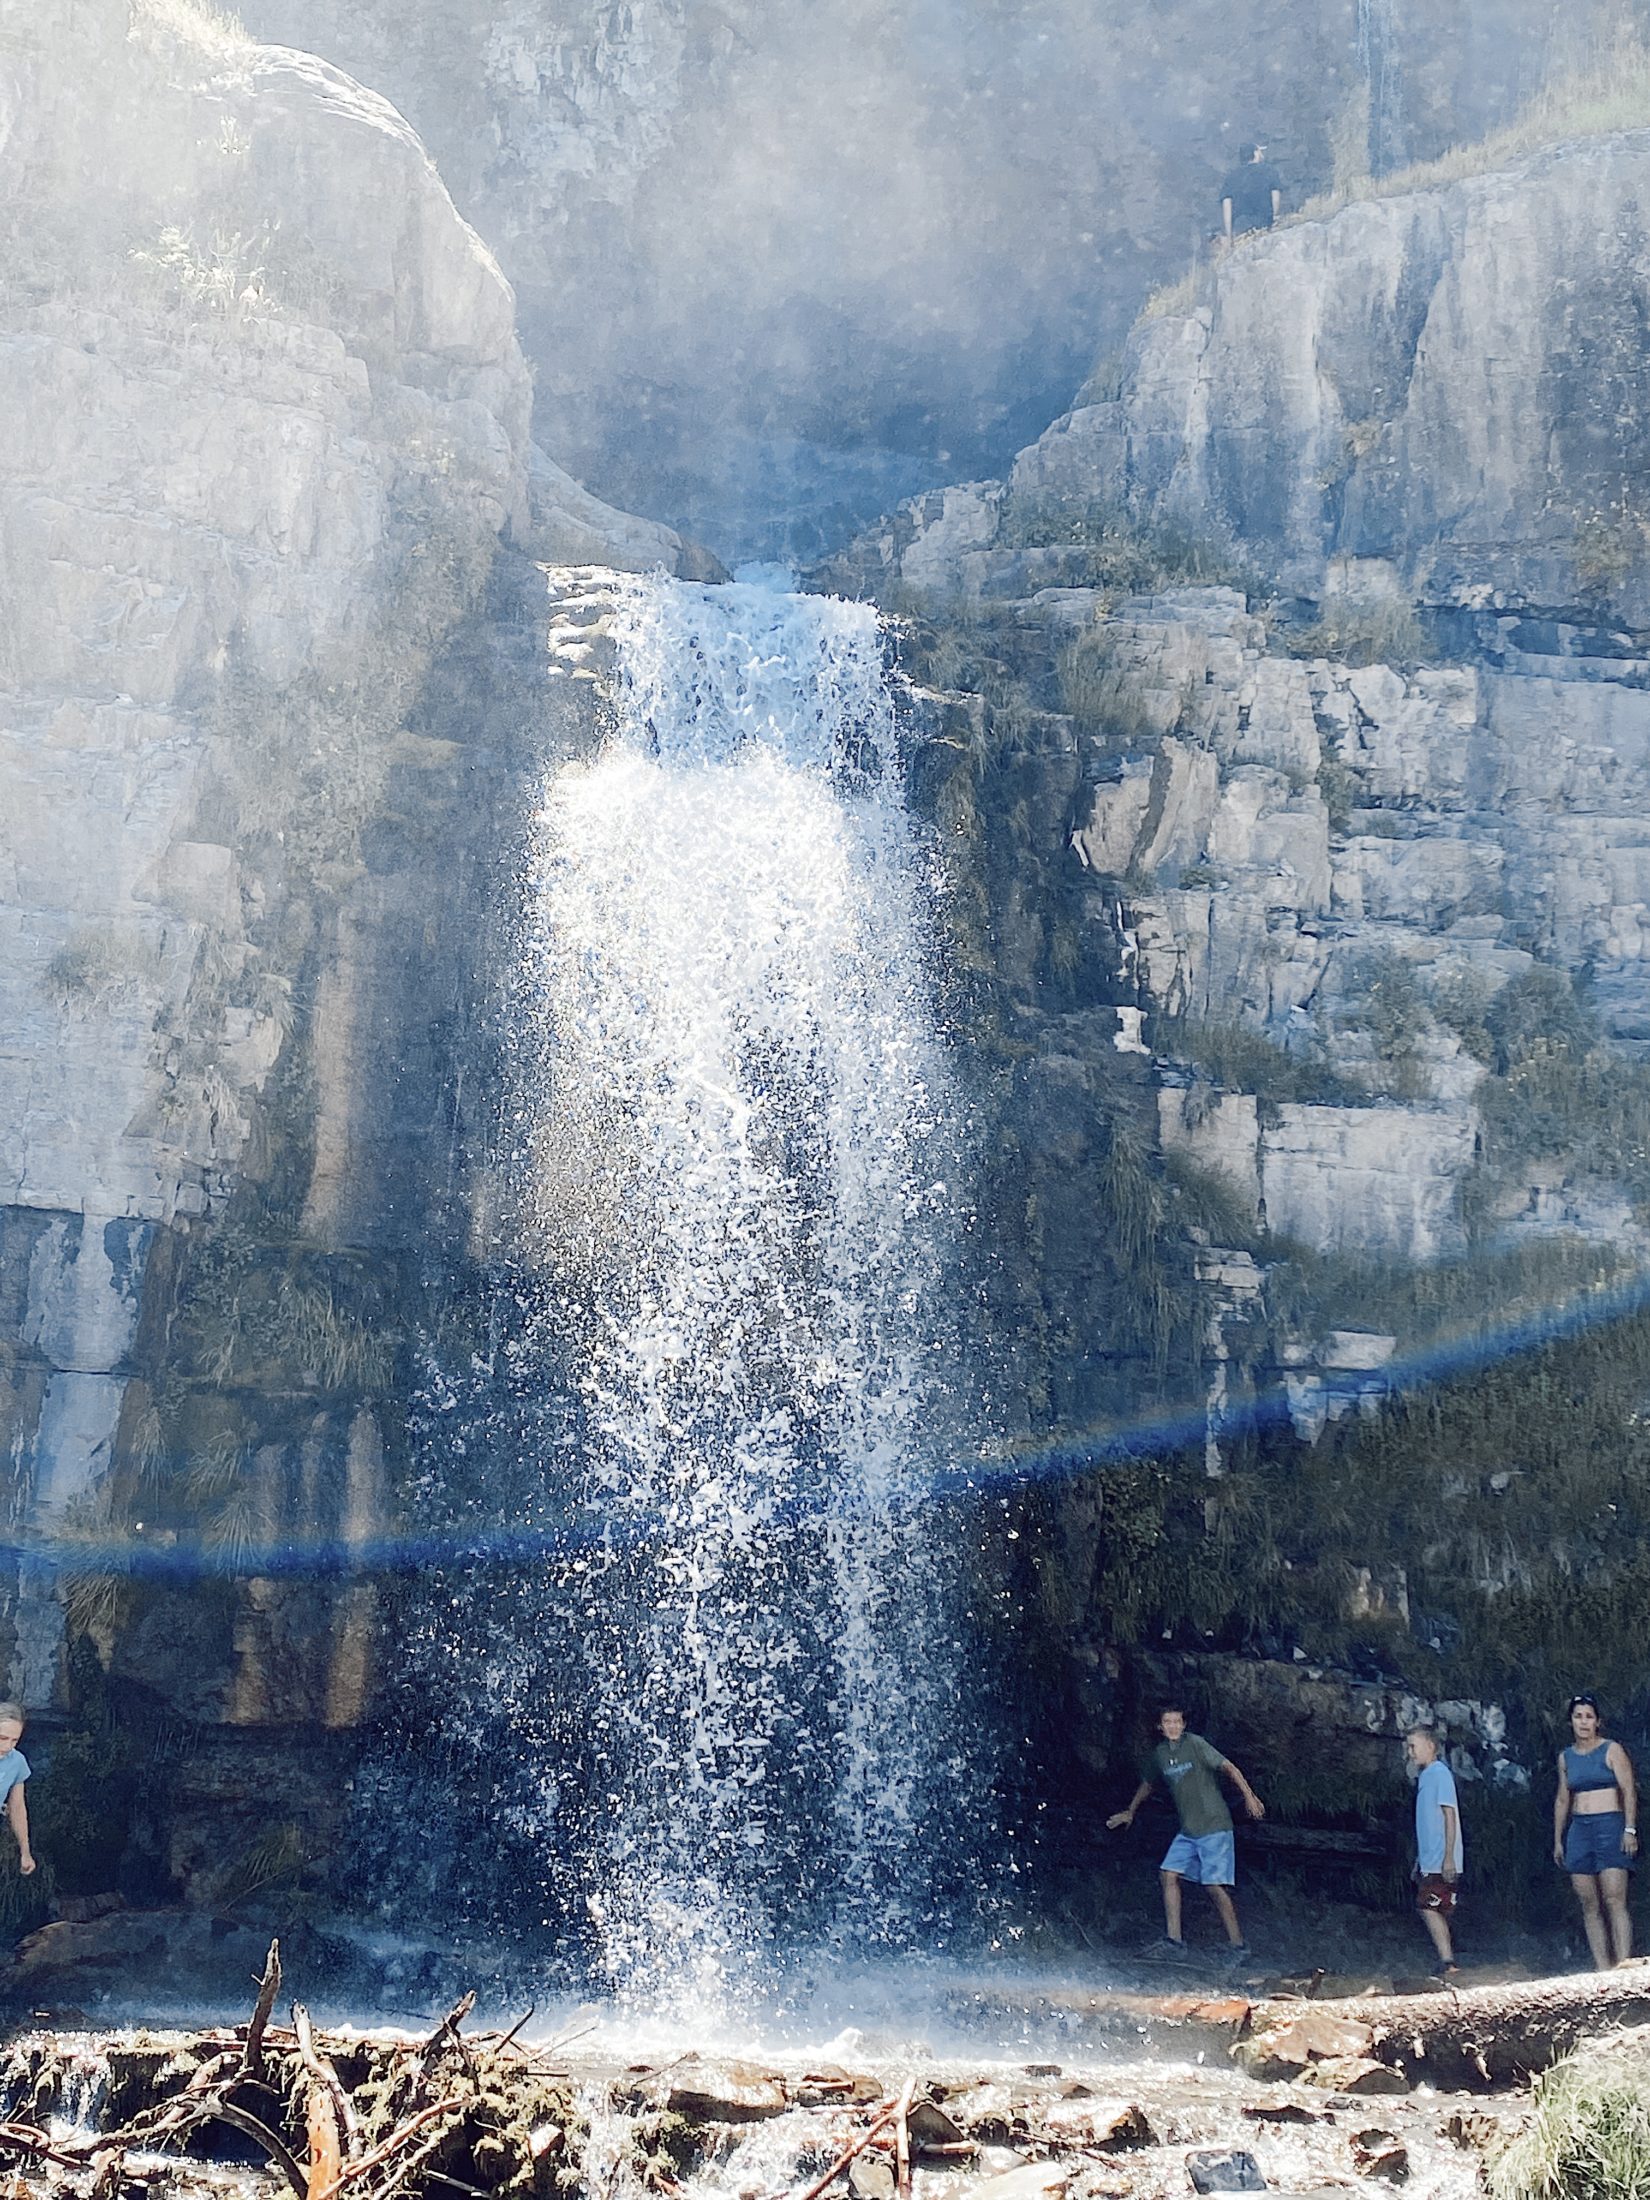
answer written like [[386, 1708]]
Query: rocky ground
[[1154, 2095]]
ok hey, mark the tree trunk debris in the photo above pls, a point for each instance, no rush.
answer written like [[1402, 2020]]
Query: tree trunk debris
[[334, 2118], [1468, 2041]]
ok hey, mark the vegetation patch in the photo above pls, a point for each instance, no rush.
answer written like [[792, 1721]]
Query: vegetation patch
[[1361, 630], [1588, 2137], [1127, 555], [1239, 1059]]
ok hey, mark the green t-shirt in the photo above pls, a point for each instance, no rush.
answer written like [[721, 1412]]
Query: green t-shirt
[[1188, 1770]]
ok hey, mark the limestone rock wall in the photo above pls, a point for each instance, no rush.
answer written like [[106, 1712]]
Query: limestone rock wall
[[1263, 1170], [1481, 822], [266, 426], [1370, 404]]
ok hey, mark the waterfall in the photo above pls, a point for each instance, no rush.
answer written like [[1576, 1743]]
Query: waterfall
[[1378, 58], [738, 1200]]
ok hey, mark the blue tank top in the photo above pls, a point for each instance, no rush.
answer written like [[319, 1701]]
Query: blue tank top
[[1588, 1770]]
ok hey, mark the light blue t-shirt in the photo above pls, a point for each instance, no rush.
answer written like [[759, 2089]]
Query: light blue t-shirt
[[1434, 1793], [14, 1770]]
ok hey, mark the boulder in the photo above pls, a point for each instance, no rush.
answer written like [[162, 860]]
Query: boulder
[[1356, 2075], [871, 2176], [1285, 2050], [1228, 2169], [724, 2092], [1033, 2181], [1111, 2126]]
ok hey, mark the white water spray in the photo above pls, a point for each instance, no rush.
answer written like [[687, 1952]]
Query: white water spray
[[740, 1196]]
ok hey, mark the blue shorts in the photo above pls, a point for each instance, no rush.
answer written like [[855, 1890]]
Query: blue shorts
[[1593, 1844], [1206, 1859]]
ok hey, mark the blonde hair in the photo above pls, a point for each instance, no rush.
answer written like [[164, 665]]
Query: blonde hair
[[11, 1714]]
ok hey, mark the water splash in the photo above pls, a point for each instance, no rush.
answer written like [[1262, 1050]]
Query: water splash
[[738, 1198]]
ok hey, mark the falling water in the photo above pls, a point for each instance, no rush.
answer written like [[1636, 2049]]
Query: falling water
[[739, 1196], [1379, 61]]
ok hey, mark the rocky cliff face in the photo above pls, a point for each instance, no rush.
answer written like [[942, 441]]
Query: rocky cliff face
[[1313, 1187], [1264, 957], [267, 427], [748, 283], [1313, 957], [1365, 405]]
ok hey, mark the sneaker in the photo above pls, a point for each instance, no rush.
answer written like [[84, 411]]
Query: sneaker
[[1164, 1946], [1237, 1951]]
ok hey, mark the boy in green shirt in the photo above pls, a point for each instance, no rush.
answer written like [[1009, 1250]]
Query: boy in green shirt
[[1203, 1851]]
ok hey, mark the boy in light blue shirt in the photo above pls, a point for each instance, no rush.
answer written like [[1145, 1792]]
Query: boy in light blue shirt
[[1439, 1850], [14, 1770]]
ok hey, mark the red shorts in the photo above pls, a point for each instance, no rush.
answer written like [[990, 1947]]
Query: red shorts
[[1434, 1892]]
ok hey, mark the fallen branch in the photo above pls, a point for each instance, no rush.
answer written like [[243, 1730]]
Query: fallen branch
[[510, 2036], [326, 2147], [1477, 2036], [852, 2153], [322, 2074], [26, 2140], [447, 2034], [252, 2055], [242, 2119], [902, 2140], [397, 2138]]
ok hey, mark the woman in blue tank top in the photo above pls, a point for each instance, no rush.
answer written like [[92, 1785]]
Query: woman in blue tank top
[[1595, 1831]]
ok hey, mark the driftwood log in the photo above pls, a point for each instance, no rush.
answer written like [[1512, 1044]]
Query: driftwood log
[[1504, 2035], [1470, 2040]]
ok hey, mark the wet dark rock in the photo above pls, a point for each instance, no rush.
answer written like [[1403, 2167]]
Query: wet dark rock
[[1232, 2169], [929, 2126], [1381, 2154], [83, 1908]]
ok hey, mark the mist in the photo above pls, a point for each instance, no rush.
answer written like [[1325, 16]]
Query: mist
[[779, 265]]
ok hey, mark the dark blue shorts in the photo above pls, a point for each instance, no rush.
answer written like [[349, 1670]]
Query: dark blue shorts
[[1593, 1844]]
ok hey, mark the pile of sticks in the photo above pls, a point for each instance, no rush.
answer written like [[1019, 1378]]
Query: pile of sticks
[[410, 2117], [898, 2114]]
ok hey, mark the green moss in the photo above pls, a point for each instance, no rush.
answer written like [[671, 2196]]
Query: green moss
[[1101, 694], [1560, 1093]]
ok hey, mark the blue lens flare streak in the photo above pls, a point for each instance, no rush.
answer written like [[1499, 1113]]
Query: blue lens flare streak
[[1005, 1471]]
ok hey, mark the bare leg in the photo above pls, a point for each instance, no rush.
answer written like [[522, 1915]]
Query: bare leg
[[1592, 1919], [1437, 1924], [1613, 1885], [1171, 1903], [1221, 1897]]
